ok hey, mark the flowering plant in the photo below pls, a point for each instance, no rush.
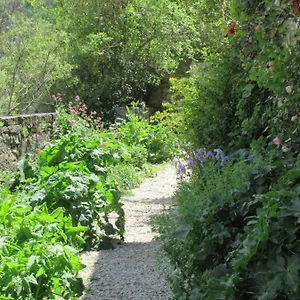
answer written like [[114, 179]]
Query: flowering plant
[[201, 160], [75, 117]]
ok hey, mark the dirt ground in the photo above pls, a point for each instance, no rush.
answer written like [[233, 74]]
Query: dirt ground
[[130, 271]]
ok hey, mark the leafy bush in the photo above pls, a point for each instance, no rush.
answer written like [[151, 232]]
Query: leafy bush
[[203, 105], [234, 233], [79, 173], [247, 84], [33, 59], [124, 176], [147, 142], [71, 174], [38, 250], [84, 167]]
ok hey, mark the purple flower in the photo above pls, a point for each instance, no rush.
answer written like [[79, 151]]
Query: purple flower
[[181, 168], [219, 154], [224, 160], [209, 154], [199, 155], [191, 162]]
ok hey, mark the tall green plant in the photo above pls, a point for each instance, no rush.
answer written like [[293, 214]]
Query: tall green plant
[[32, 59], [38, 251], [233, 232]]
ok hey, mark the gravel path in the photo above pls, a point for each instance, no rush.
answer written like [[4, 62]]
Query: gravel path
[[130, 271]]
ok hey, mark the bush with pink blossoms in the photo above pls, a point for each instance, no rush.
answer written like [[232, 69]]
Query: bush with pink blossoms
[[75, 116]]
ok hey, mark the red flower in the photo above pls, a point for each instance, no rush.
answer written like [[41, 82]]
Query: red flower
[[231, 30], [295, 5]]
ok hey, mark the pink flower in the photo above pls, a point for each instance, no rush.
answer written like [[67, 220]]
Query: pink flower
[[37, 150], [277, 141], [72, 122], [77, 98], [53, 97], [38, 136]]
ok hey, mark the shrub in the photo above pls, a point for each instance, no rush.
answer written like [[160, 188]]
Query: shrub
[[247, 84], [124, 177], [71, 174], [234, 233], [38, 250], [147, 142]]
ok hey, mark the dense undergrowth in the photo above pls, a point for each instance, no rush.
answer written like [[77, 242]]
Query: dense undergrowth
[[233, 232], [60, 200]]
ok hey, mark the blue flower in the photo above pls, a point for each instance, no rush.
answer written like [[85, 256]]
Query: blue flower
[[209, 154], [191, 162], [224, 160], [219, 154], [181, 168], [199, 155]]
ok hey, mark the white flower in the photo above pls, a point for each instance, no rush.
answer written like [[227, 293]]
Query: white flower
[[289, 89]]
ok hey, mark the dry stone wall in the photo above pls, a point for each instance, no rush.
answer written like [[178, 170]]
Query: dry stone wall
[[18, 134]]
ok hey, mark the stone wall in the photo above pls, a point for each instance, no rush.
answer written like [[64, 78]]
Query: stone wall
[[17, 135]]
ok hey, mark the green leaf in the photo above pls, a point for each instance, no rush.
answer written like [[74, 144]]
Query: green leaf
[[291, 277], [293, 209], [40, 272], [32, 260], [248, 90], [277, 265]]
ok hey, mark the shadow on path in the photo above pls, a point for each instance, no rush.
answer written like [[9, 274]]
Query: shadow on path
[[127, 272], [130, 272]]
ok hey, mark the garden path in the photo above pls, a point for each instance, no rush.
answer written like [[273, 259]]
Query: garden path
[[130, 271]]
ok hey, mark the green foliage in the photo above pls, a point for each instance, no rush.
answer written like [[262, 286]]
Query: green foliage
[[146, 142], [120, 50], [203, 105], [38, 251], [233, 232], [85, 169], [124, 176], [65, 198], [247, 86], [32, 57], [71, 174]]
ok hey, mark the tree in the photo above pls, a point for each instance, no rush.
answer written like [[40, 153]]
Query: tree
[[31, 61], [122, 48]]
